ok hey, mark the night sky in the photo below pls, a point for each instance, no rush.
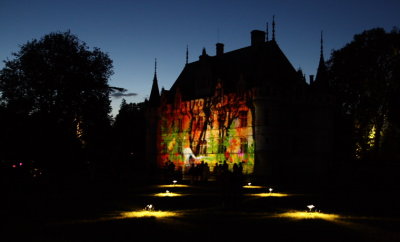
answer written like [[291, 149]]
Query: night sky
[[134, 33]]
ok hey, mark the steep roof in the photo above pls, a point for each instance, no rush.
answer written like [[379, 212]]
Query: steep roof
[[258, 65]]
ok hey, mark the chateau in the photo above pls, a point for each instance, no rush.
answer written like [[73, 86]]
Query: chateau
[[247, 107]]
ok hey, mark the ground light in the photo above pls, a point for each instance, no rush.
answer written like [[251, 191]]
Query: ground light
[[167, 193], [148, 211], [250, 186], [173, 185], [269, 194], [310, 207], [309, 215]]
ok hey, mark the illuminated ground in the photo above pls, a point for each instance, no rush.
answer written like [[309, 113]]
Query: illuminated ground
[[202, 213]]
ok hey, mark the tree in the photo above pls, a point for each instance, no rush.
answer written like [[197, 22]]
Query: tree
[[365, 78], [59, 88], [129, 129], [128, 140]]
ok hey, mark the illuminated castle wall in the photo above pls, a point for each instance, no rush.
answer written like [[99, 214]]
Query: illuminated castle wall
[[213, 129], [248, 106]]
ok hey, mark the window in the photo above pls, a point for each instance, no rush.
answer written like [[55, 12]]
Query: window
[[203, 147], [165, 147], [179, 148], [164, 124], [221, 148], [243, 119], [179, 124], [201, 122], [243, 145], [266, 117]]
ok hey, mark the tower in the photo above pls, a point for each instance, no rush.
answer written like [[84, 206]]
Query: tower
[[153, 120]]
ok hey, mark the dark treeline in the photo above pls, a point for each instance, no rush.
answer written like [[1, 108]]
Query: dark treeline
[[364, 78], [55, 118], [55, 111], [129, 142]]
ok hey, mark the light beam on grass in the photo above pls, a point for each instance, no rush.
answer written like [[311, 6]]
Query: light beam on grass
[[167, 194], [173, 185], [269, 194], [252, 187], [309, 215], [146, 213]]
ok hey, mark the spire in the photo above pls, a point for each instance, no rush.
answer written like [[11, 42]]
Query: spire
[[155, 68], [321, 72], [187, 54], [322, 48], [273, 27], [155, 94], [267, 32]]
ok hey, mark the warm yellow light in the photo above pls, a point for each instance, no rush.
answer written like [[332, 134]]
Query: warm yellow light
[[269, 194], [175, 185], [252, 187], [146, 213], [358, 151], [167, 194], [371, 137], [308, 215]]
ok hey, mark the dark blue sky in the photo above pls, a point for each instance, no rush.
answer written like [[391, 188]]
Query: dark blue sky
[[134, 33]]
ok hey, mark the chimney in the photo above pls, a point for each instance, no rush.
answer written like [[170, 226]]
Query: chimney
[[257, 37], [220, 49], [311, 79]]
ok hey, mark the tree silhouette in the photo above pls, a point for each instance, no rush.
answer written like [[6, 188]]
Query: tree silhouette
[[365, 77], [59, 88], [128, 136]]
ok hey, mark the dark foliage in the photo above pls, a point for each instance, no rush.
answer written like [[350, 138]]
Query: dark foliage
[[129, 140], [365, 78], [55, 101]]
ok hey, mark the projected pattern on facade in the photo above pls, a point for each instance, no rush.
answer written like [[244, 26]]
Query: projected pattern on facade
[[212, 129]]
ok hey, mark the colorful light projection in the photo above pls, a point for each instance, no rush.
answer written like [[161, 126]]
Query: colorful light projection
[[212, 130]]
